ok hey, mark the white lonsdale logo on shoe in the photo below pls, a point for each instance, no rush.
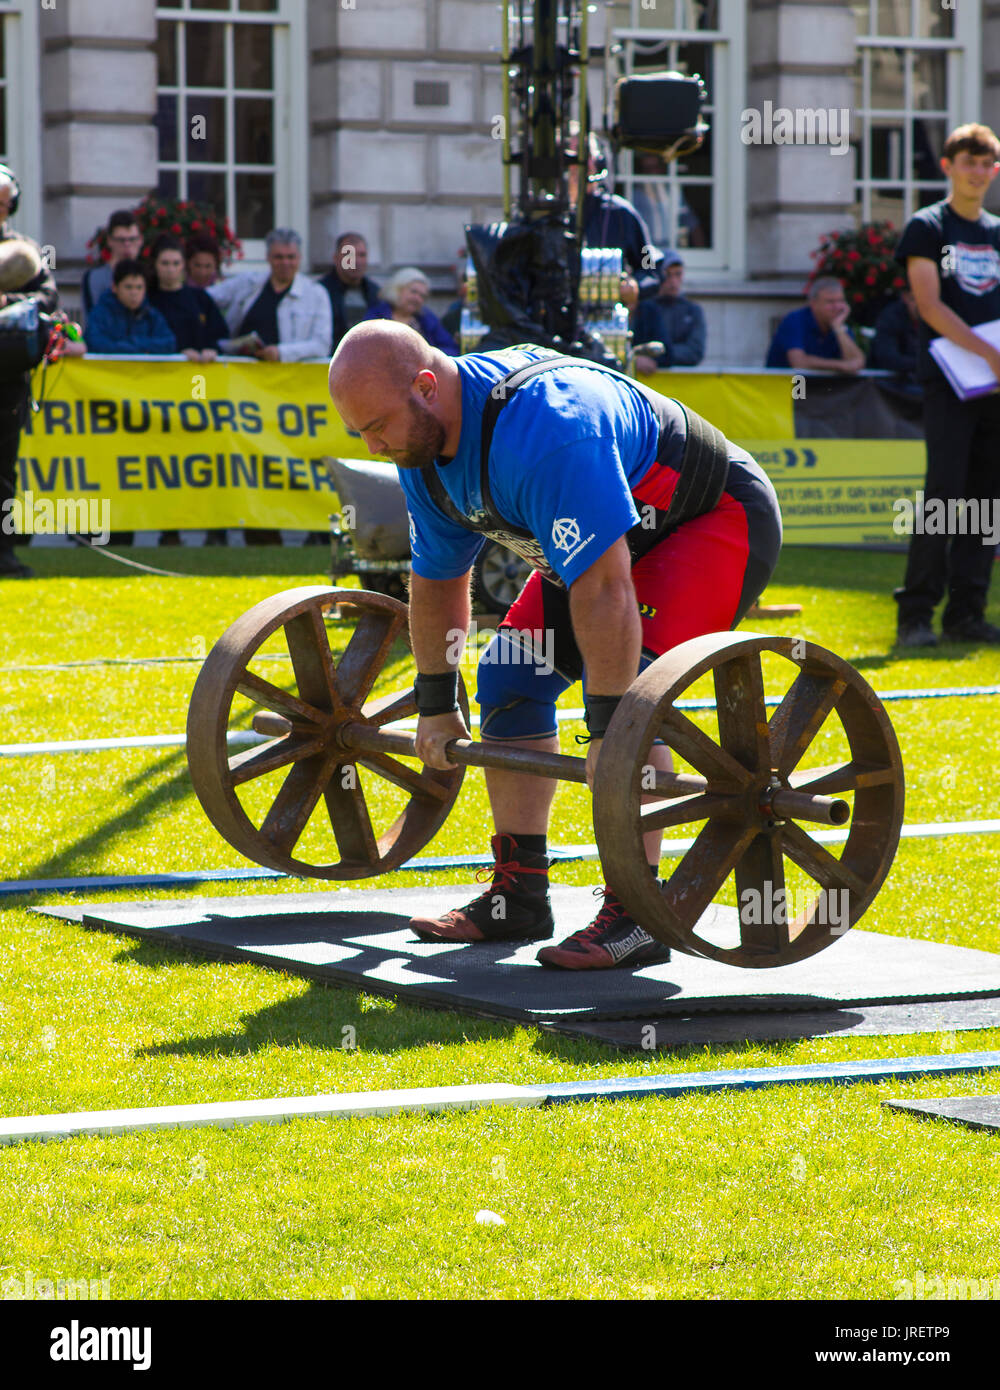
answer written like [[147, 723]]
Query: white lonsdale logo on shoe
[[618, 950]]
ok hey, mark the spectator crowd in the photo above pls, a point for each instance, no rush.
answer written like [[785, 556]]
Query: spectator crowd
[[171, 299], [176, 301]]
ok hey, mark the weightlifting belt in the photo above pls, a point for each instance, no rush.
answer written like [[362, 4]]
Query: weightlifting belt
[[703, 471]]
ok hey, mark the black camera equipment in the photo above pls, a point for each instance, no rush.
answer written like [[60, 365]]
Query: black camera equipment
[[531, 279], [28, 337]]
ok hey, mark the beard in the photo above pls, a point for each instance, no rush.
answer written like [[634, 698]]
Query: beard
[[424, 441]]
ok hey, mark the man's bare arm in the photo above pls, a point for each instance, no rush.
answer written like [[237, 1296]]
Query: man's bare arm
[[439, 621], [439, 609], [608, 631], [925, 282], [605, 617]]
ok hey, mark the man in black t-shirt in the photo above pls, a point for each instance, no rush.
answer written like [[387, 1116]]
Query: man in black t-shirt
[[352, 292], [951, 251], [609, 220]]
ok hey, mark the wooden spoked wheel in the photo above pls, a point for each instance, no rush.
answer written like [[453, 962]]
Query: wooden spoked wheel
[[750, 828], [305, 784]]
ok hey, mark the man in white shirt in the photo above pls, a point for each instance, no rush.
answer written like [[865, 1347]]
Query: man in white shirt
[[278, 315]]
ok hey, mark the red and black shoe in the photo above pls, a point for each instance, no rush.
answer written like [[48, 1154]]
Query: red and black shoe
[[613, 940], [515, 907]]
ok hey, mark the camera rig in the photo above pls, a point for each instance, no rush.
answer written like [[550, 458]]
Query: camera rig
[[531, 278]]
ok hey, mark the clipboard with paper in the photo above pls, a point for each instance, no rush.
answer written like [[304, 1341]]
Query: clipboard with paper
[[968, 375]]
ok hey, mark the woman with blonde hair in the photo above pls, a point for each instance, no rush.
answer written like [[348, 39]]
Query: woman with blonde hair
[[404, 296]]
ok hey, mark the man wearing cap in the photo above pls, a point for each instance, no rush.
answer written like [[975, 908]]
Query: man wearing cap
[[671, 319]]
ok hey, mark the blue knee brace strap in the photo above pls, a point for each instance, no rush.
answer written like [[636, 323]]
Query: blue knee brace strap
[[517, 691]]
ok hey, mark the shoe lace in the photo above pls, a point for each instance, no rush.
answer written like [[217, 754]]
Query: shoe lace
[[504, 874], [611, 910]]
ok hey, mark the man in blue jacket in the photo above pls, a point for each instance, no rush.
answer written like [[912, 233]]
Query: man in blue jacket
[[123, 322], [672, 319]]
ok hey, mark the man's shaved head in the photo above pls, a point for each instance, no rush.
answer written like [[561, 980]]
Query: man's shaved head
[[391, 351], [387, 382]]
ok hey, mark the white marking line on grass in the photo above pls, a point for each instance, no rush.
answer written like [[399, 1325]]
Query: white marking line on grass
[[432, 1099], [100, 745], [226, 1114], [673, 849], [97, 745], [670, 849]]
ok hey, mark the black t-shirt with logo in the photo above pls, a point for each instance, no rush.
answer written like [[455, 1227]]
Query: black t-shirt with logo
[[967, 255]]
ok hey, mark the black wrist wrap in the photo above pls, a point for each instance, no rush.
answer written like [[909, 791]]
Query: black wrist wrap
[[437, 694], [599, 710]]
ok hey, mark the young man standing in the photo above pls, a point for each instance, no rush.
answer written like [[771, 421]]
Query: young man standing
[[951, 251]]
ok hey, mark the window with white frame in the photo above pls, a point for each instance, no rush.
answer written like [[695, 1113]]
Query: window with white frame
[[685, 202], [227, 114], [20, 120], [916, 78], [5, 157]]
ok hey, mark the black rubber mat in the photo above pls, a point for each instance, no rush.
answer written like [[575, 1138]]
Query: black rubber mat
[[978, 1112], [362, 939], [880, 1020]]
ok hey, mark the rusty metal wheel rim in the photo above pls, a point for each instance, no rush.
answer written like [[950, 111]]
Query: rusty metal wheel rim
[[327, 695], [753, 753]]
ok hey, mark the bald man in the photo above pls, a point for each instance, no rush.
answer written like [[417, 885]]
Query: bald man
[[644, 527]]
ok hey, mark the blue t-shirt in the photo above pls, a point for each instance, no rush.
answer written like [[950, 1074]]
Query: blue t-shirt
[[799, 329], [567, 449]]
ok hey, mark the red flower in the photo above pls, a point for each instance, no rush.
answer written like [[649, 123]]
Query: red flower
[[195, 226], [853, 256], [859, 298], [899, 283], [176, 228], [871, 278]]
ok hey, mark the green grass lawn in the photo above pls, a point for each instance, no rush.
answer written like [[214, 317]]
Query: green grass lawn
[[808, 1192]]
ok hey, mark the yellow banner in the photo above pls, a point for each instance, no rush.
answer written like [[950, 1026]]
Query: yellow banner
[[739, 406], [841, 491], [187, 445]]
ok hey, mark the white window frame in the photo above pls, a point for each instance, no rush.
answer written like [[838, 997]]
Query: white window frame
[[291, 123], [24, 113], [963, 96], [727, 254]]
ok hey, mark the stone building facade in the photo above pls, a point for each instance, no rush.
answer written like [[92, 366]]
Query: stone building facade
[[379, 116]]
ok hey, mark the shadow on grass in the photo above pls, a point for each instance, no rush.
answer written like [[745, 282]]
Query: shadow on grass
[[331, 1018], [830, 567], [334, 1017], [147, 806], [188, 562], [946, 653]]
